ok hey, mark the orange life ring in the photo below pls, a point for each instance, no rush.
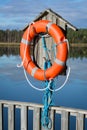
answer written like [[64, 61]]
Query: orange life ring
[[44, 26]]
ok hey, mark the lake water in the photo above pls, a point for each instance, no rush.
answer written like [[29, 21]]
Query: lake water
[[13, 85]]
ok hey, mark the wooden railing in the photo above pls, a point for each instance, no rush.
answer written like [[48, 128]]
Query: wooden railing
[[24, 107]]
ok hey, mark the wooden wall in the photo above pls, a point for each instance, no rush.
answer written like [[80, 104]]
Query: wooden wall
[[39, 51]]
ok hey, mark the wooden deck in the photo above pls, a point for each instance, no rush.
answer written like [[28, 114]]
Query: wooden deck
[[66, 113]]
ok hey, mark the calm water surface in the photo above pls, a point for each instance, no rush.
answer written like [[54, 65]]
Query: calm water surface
[[13, 85]]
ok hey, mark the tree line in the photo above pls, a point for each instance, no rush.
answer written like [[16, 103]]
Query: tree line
[[14, 36], [79, 36], [10, 36]]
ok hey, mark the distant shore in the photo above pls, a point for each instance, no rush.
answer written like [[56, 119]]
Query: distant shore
[[78, 45], [4, 44]]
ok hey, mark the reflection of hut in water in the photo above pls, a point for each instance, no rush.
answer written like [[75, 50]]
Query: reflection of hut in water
[[62, 23]]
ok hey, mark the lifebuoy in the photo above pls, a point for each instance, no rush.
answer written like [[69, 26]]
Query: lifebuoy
[[44, 26]]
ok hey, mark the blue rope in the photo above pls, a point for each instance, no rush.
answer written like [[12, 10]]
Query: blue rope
[[45, 48], [48, 95]]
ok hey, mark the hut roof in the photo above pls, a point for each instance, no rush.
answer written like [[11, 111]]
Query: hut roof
[[60, 18]]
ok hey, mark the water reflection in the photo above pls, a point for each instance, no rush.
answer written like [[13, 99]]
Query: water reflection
[[74, 52], [9, 50]]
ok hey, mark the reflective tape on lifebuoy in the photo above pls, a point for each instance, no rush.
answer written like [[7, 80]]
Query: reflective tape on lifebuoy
[[44, 26]]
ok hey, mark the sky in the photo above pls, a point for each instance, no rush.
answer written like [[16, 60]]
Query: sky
[[16, 14]]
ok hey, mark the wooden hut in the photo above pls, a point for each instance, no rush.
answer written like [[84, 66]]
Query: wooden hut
[[39, 52]]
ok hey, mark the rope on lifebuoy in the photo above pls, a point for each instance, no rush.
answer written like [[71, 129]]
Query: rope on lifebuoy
[[20, 65], [50, 80], [34, 87]]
